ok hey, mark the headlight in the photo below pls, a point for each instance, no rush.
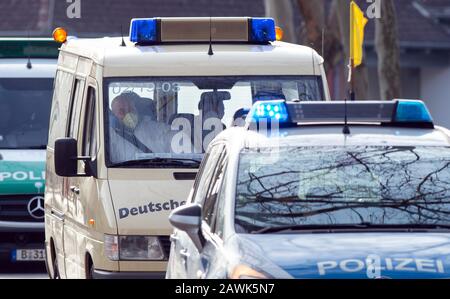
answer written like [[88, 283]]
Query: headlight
[[134, 248], [245, 272]]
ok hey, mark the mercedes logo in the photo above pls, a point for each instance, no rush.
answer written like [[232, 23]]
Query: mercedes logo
[[36, 207]]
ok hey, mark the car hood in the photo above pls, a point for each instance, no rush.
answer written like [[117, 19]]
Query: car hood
[[357, 255], [22, 172]]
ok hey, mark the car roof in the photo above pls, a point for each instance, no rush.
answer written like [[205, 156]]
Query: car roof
[[277, 58], [331, 135]]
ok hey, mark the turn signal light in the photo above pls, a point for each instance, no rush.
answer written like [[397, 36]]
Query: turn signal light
[[60, 35], [279, 33]]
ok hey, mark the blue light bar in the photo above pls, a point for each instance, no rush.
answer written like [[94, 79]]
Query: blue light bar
[[144, 31], [262, 30], [412, 111], [270, 111]]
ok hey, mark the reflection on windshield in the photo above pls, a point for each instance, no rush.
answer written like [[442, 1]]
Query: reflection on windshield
[[337, 185], [181, 116], [24, 112]]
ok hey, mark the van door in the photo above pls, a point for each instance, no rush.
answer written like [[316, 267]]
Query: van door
[[55, 204], [70, 185], [87, 199]]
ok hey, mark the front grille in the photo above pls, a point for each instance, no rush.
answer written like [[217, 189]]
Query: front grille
[[15, 208], [165, 243]]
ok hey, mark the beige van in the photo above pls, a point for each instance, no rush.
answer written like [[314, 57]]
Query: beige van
[[130, 121]]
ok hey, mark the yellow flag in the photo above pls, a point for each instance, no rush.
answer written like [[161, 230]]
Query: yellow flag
[[357, 24]]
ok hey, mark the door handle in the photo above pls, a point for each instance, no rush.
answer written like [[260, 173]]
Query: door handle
[[75, 190], [184, 254], [57, 215], [174, 238]]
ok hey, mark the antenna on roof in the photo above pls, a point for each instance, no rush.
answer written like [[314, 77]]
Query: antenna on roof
[[121, 34], [210, 51], [346, 129], [29, 65]]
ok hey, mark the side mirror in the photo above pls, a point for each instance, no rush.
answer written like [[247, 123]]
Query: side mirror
[[66, 158], [188, 218]]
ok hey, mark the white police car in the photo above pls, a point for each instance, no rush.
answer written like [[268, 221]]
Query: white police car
[[310, 201]]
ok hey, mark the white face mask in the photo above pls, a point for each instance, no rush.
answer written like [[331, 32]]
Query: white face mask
[[131, 120]]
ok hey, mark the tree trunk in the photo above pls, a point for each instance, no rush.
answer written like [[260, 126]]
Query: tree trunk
[[283, 13], [360, 74], [386, 43], [317, 22]]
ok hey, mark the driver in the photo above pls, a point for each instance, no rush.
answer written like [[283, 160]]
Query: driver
[[142, 133]]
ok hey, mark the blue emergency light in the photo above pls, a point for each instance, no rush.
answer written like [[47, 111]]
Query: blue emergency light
[[270, 111], [404, 113], [144, 30], [412, 111], [161, 30], [262, 30]]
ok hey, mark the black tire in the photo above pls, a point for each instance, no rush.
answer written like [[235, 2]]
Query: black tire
[[55, 267], [89, 268]]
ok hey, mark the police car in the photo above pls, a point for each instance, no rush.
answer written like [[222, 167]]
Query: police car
[[27, 69], [301, 193]]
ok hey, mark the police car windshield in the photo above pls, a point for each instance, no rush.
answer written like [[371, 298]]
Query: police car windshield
[[177, 117], [25, 105], [341, 186]]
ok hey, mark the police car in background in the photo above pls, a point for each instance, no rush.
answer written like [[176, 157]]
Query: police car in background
[[307, 200], [27, 69]]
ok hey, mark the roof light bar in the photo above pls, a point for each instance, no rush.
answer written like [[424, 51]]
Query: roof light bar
[[223, 29], [405, 113]]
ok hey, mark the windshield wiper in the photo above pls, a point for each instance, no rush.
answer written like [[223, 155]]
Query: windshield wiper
[[359, 226], [160, 162]]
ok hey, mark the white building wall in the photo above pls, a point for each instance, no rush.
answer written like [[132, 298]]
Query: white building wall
[[435, 91]]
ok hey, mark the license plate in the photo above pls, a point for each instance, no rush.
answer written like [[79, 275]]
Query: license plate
[[28, 255]]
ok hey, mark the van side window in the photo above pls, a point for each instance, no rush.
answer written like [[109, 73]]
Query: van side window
[[60, 106], [209, 205], [75, 109], [89, 131], [207, 172]]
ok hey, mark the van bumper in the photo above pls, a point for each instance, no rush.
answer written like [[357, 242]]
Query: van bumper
[[102, 274]]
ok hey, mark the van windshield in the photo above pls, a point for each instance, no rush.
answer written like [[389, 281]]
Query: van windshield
[[25, 105], [174, 119]]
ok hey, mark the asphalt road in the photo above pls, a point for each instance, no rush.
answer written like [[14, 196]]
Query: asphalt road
[[22, 271]]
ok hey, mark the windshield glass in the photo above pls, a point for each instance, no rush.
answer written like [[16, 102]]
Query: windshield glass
[[25, 105], [176, 118], [343, 185]]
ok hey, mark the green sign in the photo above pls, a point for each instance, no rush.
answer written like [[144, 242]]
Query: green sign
[[22, 177], [24, 48]]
